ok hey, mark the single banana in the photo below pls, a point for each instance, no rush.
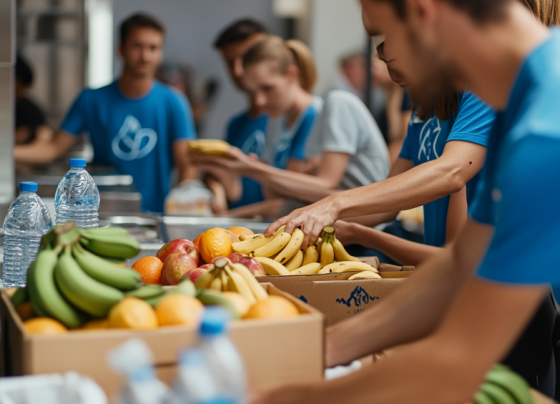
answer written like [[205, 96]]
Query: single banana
[[248, 246], [224, 277], [275, 246], [254, 285], [19, 297], [185, 287], [33, 294], [311, 255], [483, 398], [204, 280], [104, 271], [510, 381], [210, 297], [146, 292], [272, 267], [111, 246], [216, 283], [246, 237], [291, 248], [105, 232], [49, 296], [295, 262], [239, 284], [213, 147], [340, 253], [309, 269], [498, 394], [347, 266], [365, 275], [83, 291], [327, 253]]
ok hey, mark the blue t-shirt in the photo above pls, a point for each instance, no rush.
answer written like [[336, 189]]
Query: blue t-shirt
[[248, 134], [520, 189], [425, 142], [134, 135]]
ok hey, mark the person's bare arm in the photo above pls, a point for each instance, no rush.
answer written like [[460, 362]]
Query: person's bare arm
[[457, 213], [425, 183], [415, 308], [40, 152], [219, 200], [185, 170]]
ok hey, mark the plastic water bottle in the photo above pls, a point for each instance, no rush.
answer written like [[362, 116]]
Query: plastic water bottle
[[27, 220], [195, 383], [77, 197]]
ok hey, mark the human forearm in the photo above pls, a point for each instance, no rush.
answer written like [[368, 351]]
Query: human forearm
[[373, 220]]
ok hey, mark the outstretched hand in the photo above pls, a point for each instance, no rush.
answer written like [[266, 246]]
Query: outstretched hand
[[310, 220], [233, 161]]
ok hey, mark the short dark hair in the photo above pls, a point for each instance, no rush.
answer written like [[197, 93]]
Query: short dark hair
[[239, 31], [139, 20], [23, 72], [479, 10]]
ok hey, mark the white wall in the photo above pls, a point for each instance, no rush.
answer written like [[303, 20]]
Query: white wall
[[335, 30], [192, 26]]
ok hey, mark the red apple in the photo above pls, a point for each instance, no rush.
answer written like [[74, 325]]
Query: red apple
[[253, 265], [175, 267], [234, 258], [181, 245], [193, 274]]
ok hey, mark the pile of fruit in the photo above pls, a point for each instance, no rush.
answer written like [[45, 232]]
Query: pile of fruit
[[502, 386], [78, 281]]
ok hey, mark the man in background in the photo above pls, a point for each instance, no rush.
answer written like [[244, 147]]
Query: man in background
[[135, 124]]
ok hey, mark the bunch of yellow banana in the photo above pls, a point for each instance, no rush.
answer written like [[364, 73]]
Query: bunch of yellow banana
[[234, 278], [211, 147]]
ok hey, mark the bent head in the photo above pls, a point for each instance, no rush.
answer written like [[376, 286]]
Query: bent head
[[275, 71], [141, 45], [422, 38]]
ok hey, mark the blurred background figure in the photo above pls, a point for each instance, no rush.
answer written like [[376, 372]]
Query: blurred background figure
[[30, 120]]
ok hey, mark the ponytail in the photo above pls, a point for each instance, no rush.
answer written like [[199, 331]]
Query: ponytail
[[283, 54]]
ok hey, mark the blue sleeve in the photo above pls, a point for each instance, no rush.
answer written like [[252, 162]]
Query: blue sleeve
[[230, 132], [405, 150], [480, 209], [182, 123], [473, 122], [297, 150], [525, 245], [75, 121]]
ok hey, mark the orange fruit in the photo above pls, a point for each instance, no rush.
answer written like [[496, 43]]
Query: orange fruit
[[179, 309], [149, 269], [44, 326], [25, 311], [274, 307], [215, 243], [134, 313], [239, 302], [196, 241], [96, 325], [241, 231]]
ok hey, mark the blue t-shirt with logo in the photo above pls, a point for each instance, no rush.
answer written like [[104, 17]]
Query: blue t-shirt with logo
[[425, 142], [520, 189], [134, 135], [248, 134]]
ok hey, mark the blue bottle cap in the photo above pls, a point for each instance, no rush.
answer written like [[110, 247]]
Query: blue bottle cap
[[214, 321], [28, 186], [77, 163]]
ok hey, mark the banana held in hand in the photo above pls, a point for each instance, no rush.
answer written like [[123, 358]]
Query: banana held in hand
[[365, 275], [340, 253], [248, 246], [347, 266], [272, 267], [309, 269], [254, 285], [105, 271], [238, 284], [295, 262], [276, 245], [246, 237], [83, 291], [291, 248], [48, 294], [327, 253], [311, 255], [111, 246]]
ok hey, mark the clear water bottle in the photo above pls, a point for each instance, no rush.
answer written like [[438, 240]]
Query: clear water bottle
[[77, 197], [27, 220], [195, 383]]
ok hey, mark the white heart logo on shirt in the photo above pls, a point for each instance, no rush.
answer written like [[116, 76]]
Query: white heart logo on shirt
[[133, 142]]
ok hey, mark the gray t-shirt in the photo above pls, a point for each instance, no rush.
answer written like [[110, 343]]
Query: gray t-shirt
[[346, 126]]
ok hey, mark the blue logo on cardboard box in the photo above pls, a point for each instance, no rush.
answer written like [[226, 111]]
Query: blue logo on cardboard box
[[358, 296], [303, 299]]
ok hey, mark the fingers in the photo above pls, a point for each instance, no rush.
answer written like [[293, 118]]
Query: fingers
[[274, 226]]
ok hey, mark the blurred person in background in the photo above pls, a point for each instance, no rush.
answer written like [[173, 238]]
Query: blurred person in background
[[30, 121], [135, 124], [246, 130], [478, 294]]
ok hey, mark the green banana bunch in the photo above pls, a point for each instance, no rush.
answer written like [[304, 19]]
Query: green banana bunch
[[105, 271], [110, 242], [502, 386], [86, 293], [185, 287], [19, 297], [47, 293], [32, 292], [146, 292]]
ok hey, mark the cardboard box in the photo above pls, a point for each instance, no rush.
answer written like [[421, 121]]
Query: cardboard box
[[274, 351], [337, 297]]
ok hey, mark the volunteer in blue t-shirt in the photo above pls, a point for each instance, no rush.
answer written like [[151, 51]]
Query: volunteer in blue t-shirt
[[465, 307], [135, 124], [247, 129]]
